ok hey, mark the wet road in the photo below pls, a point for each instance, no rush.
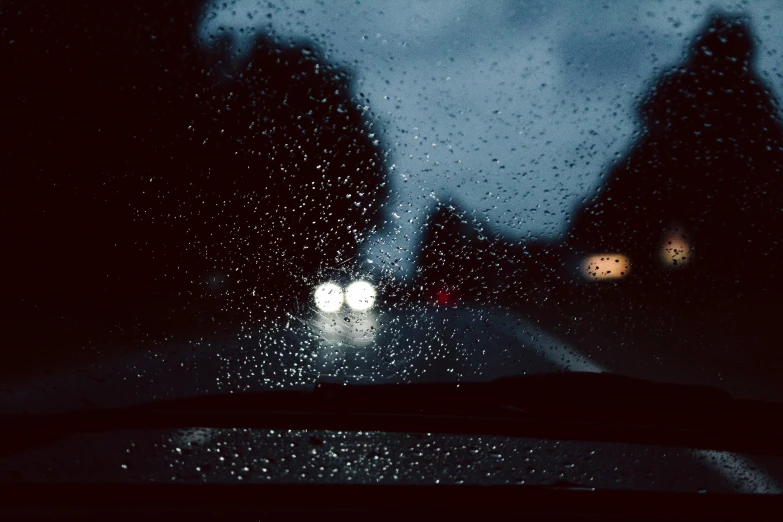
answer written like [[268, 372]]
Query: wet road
[[403, 344], [410, 343]]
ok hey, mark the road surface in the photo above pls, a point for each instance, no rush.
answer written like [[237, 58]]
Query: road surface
[[401, 344]]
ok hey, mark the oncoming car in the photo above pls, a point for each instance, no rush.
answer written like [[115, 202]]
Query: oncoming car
[[346, 314]]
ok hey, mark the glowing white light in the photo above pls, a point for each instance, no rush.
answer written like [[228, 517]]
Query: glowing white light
[[328, 297], [360, 295]]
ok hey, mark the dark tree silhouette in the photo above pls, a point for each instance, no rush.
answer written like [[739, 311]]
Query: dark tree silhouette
[[696, 203], [461, 261], [452, 261], [706, 174], [148, 172], [694, 207]]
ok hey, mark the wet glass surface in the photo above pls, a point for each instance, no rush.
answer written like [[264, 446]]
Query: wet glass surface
[[233, 456], [214, 198]]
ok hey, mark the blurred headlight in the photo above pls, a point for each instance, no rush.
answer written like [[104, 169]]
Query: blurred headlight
[[328, 297], [360, 295]]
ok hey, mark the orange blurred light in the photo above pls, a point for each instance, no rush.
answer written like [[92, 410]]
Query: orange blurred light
[[676, 248], [605, 267]]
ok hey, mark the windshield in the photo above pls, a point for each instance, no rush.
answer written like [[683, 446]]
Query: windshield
[[206, 198]]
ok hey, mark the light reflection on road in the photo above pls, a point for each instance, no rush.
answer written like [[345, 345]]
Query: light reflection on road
[[348, 328], [373, 346]]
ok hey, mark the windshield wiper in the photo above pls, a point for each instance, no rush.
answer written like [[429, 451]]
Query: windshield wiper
[[562, 406]]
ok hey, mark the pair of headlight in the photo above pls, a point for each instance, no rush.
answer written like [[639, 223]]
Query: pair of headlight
[[359, 295]]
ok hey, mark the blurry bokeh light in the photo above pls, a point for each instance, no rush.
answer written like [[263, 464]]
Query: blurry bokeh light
[[328, 297], [360, 295], [676, 250], [605, 266]]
